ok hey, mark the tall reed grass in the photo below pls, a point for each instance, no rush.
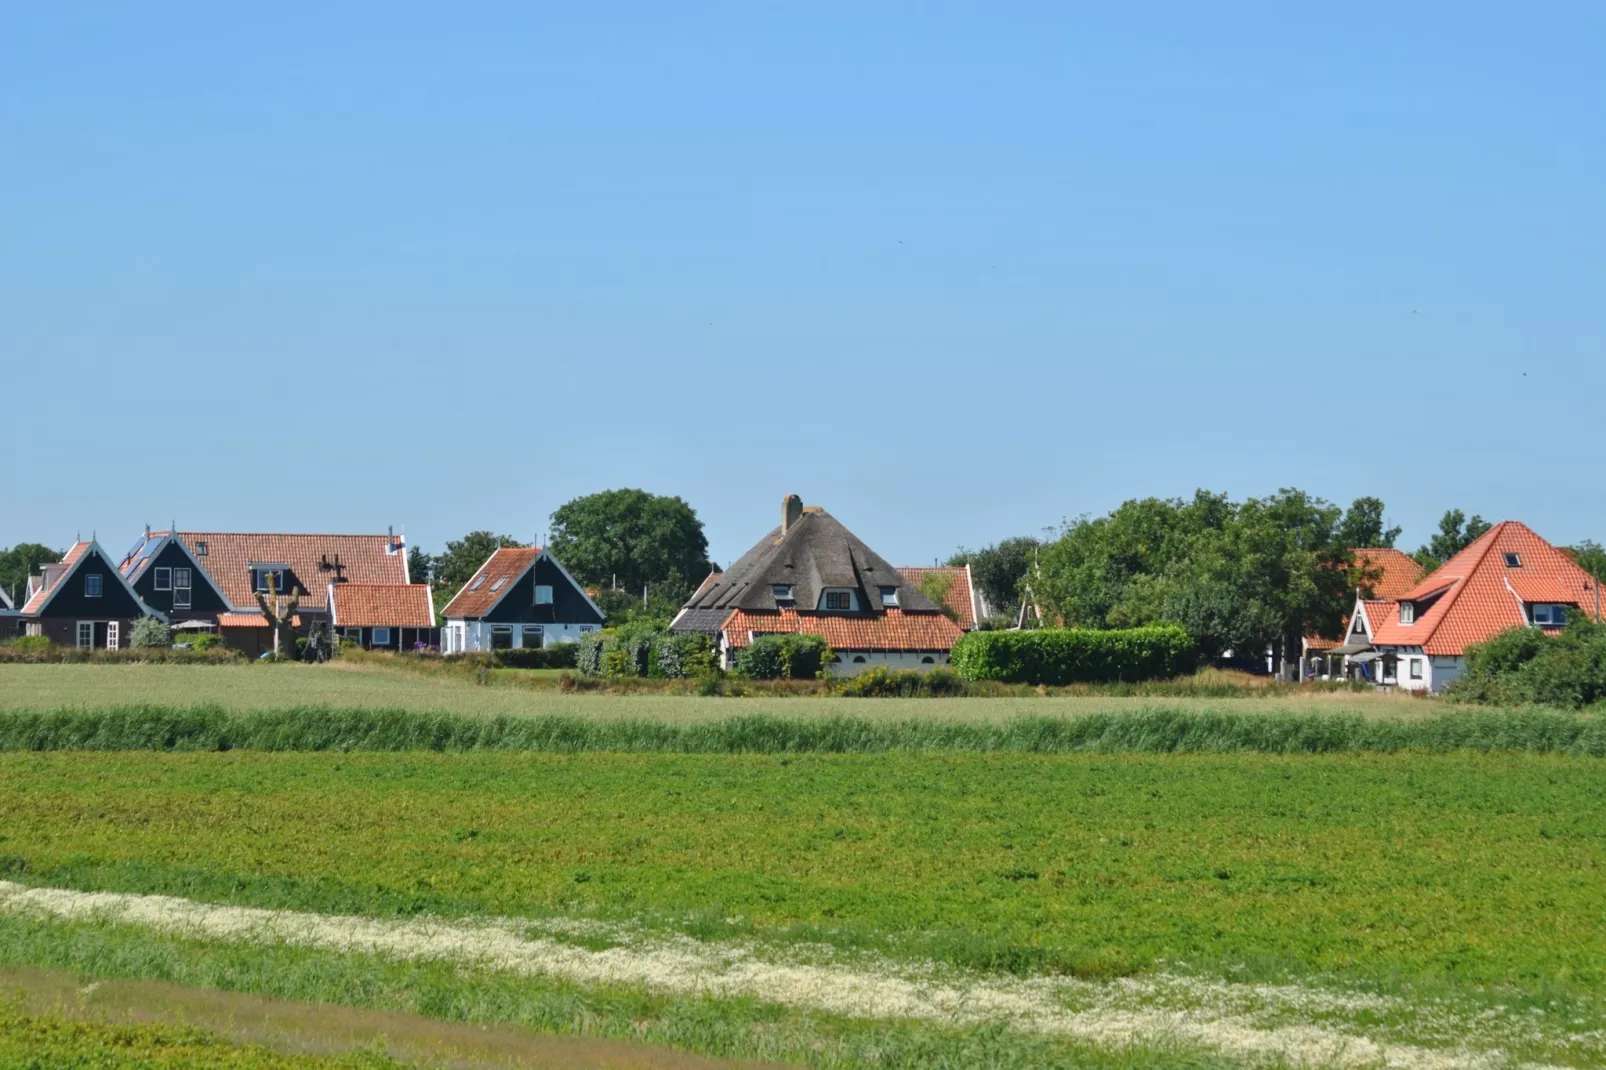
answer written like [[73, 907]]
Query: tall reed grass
[[1156, 730]]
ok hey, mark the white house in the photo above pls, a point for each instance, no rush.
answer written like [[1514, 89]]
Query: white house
[[520, 597]]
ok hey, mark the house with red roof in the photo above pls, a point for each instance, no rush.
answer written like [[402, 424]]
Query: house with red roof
[[1506, 578], [812, 575], [83, 600], [1382, 573], [521, 596]]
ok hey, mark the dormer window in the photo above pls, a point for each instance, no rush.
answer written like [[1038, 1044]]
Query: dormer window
[[263, 575], [889, 597], [1548, 616], [782, 592], [1513, 561], [1407, 612], [838, 601], [200, 549]]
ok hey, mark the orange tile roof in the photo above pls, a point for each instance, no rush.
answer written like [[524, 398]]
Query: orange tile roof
[[958, 595], [229, 556], [1399, 571], [889, 630], [1483, 596], [37, 600], [383, 605], [478, 596], [249, 620]]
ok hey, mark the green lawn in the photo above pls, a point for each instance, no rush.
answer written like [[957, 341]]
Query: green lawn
[[260, 687]]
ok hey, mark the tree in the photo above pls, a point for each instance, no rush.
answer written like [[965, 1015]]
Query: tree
[[1591, 557], [280, 612], [463, 558], [20, 562], [631, 539], [1451, 538], [998, 570], [419, 565], [1362, 526]]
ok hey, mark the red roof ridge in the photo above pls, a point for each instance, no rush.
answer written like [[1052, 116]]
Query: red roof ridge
[[1459, 584]]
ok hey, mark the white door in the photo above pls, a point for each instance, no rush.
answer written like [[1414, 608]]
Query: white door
[[112, 629]]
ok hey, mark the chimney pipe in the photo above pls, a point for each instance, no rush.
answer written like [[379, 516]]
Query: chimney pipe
[[791, 512]]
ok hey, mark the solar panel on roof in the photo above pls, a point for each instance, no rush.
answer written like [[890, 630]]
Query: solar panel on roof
[[139, 545]]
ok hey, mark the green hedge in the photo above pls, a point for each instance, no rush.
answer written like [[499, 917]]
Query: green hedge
[[15, 653], [783, 657], [556, 656], [628, 650], [1055, 656], [687, 655], [881, 682]]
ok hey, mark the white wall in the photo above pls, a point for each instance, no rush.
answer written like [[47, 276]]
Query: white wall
[[850, 666], [475, 635]]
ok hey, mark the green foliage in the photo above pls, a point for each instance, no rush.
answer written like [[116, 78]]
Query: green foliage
[[201, 640], [588, 658], [463, 557], [784, 657], [20, 562], [29, 650], [1455, 533], [150, 632], [1525, 666], [1055, 656], [1236, 575], [662, 603], [1362, 526], [27, 644], [556, 656], [999, 570], [1591, 557], [937, 586], [882, 682], [688, 655], [420, 565], [632, 539], [629, 650]]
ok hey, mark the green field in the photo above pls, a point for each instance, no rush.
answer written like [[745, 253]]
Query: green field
[[369, 685]]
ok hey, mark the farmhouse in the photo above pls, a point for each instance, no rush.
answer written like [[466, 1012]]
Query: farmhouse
[[83, 600], [1507, 578], [520, 597], [813, 575]]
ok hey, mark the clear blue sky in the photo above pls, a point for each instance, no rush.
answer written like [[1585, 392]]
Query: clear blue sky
[[954, 272]]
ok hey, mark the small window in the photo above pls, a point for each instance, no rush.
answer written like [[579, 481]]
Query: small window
[[1390, 667], [858, 659], [543, 594], [200, 549], [502, 637], [92, 585], [270, 576], [500, 580], [479, 581], [1360, 626], [1416, 668], [86, 634], [532, 637], [1407, 612], [782, 592], [928, 660], [838, 600], [1513, 561], [889, 596], [164, 579], [1549, 615], [380, 637], [181, 577], [181, 598], [589, 627]]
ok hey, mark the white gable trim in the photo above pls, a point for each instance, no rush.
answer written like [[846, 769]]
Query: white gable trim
[[513, 581], [195, 565], [111, 566]]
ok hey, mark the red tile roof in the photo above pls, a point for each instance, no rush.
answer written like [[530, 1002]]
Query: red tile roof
[[1483, 596], [249, 620], [363, 559], [956, 596], [889, 630], [382, 605], [56, 572], [1397, 570], [491, 582]]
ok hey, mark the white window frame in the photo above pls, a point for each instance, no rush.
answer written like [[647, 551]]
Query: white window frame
[[82, 645], [164, 578], [844, 596], [114, 634], [543, 594], [378, 636], [259, 574], [889, 597], [1513, 559], [500, 629], [98, 581], [1407, 612], [182, 578], [528, 630], [590, 627], [181, 598], [1416, 668], [501, 581]]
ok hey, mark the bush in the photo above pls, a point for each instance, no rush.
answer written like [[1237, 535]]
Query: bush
[[635, 643], [784, 657], [25, 644], [556, 656], [1525, 666], [148, 633], [881, 682], [1055, 656], [688, 655], [588, 656], [48, 654], [202, 640]]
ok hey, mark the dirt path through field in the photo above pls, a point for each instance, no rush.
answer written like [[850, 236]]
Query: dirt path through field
[[314, 1028]]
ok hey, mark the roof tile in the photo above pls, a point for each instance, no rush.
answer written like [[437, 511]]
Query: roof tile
[[888, 630], [383, 605]]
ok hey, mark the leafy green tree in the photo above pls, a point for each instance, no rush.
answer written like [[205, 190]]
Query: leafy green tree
[[631, 539], [420, 565], [20, 562], [463, 558], [1362, 526], [1455, 534], [998, 571], [1591, 557]]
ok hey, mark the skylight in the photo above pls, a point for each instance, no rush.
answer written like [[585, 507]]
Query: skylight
[[1513, 561], [479, 581], [497, 586]]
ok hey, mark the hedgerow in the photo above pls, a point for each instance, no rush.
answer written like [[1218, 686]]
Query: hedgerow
[[784, 657], [1057, 656], [556, 656], [1524, 665]]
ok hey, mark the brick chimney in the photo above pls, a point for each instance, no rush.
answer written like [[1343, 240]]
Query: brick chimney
[[791, 512]]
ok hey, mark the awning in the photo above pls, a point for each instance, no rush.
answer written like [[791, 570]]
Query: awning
[[250, 620], [194, 626], [1370, 655], [1355, 646]]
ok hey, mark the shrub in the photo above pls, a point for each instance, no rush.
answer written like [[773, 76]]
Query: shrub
[[588, 656], [50, 654], [202, 640], [881, 682], [638, 640], [618, 663], [25, 644], [691, 654], [1056, 656], [1526, 666], [784, 657], [556, 656], [148, 633]]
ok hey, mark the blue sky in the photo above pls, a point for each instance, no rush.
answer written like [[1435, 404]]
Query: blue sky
[[955, 272]]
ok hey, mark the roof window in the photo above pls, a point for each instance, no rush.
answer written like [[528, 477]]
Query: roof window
[[479, 581], [500, 580], [1407, 612], [782, 592], [1513, 561], [889, 596], [200, 549]]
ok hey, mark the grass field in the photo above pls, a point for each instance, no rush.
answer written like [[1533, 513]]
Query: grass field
[[260, 687]]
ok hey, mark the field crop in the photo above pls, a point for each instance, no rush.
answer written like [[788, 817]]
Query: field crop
[[372, 685]]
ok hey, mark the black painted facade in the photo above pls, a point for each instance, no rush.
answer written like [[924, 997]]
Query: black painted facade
[[569, 604], [205, 600]]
